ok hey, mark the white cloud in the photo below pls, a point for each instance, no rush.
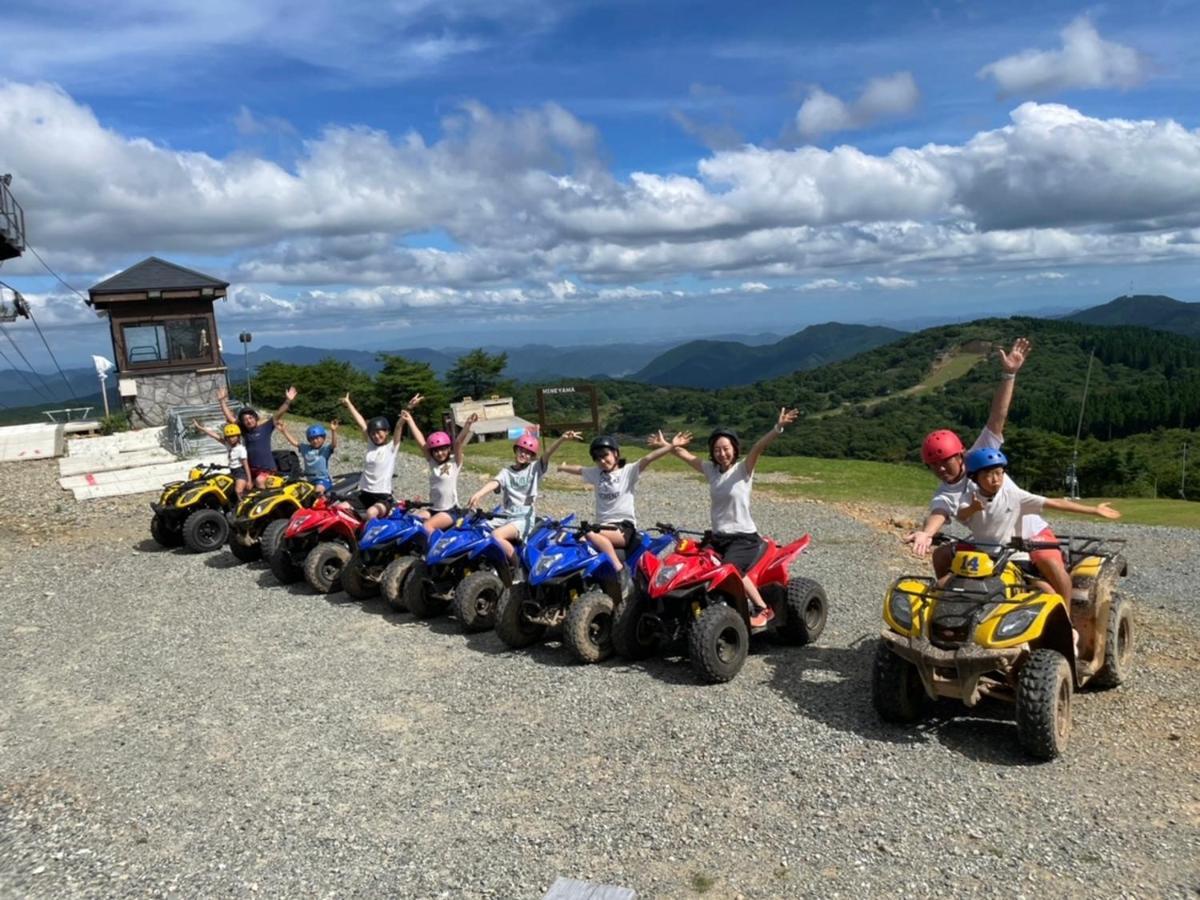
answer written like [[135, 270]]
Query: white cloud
[[890, 282], [752, 287], [1085, 60], [886, 97]]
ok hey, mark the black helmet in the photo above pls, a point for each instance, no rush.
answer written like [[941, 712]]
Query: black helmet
[[722, 432], [604, 442], [247, 411], [379, 423]]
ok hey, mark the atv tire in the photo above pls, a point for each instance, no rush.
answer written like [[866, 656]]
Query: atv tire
[[476, 599], [324, 565], [243, 546], [896, 690], [807, 610], [633, 634], [163, 533], [1044, 688], [280, 561], [718, 643], [511, 625], [1118, 645], [416, 596], [588, 629], [355, 582], [205, 530], [395, 581]]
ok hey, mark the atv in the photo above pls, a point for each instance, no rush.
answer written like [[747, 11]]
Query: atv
[[314, 544], [191, 513], [571, 586], [689, 594], [386, 549], [988, 631], [258, 509], [464, 571]]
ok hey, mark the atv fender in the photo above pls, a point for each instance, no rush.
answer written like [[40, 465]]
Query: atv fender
[[773, 566]]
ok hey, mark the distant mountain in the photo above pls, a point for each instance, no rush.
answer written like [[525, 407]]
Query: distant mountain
[[1146, 310], [48, 388], [361, 359], [715, 364]]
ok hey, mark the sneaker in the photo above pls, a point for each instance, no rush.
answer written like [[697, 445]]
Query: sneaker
[[762, 617]]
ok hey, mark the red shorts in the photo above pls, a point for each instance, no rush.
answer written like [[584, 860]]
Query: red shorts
[[1045, 536], [254, 473]]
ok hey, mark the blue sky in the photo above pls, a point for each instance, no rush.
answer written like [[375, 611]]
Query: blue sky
[[395, 174]]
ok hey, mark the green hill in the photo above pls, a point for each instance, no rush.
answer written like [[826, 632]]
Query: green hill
[[715, 364], [1148, 311]]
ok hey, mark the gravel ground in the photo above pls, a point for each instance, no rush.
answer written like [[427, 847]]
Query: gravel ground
[[178, 724]]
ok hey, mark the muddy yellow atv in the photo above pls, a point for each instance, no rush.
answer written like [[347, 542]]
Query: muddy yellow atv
[[260, 508], [989, 632], [192, 512]]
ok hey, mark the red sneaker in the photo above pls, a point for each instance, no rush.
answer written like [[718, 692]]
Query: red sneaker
[[762, 617]]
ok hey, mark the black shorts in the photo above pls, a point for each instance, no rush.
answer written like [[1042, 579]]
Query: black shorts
[[455, 512], [627, 529], [366, 500], [741, 551]]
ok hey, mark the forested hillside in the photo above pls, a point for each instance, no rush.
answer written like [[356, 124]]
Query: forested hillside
[[1148, 311]]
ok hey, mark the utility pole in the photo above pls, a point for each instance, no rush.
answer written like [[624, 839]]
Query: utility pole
[[245, 337], [1072, 474]]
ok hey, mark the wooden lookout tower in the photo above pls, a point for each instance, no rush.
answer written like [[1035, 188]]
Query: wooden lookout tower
[[164, 337]]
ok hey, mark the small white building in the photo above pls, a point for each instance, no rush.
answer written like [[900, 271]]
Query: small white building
[[496, 416]]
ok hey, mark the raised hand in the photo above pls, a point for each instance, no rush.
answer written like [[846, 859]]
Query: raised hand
[[656, 440], [334, 424], [1107, 511], [572, 436], [471, 420], [290, 394], [413, 401], [787, 416], [346, 399], [1012, 361], [681, 439]]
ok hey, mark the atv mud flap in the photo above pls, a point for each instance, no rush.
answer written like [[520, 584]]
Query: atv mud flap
[[954, 673]]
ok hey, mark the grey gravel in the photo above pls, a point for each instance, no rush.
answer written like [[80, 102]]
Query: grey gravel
[[182, 725]]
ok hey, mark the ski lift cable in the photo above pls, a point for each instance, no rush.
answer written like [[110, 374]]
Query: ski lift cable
[[57, 277], [29, 313], [32, 386]]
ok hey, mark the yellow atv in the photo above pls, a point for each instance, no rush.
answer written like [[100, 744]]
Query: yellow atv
[[192, 512], [258, 509], [989, 632]]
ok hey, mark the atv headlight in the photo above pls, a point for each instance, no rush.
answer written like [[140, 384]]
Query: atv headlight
[[260, 508], [546, 563], [664, 575], [900, 609], [1015, 622]]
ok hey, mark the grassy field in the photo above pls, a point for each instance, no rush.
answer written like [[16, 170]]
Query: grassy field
[[954, 366]]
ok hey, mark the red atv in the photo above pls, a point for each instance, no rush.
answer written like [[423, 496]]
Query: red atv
[[688, 593], [315, 544]]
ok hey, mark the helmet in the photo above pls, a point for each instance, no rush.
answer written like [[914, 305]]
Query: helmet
[[314, 431], [604, 442], [722, 432], [379, 423], [247, 411], [231, 430], [528, 442], [438, 439], [984, 458], [939, 446]]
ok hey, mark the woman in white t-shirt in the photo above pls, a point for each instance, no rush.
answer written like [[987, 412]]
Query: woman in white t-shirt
[[379, 464], [734, 534], [445, 459], [615, 482]]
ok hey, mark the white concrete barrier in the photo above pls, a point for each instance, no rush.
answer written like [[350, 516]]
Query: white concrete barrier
[[22, 442], [135, 480]]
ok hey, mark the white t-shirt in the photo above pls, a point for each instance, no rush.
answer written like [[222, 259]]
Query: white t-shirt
[[237, 459], [729, 496], [1011, 512], [519, 488], [614, 492], [378, 468], [948, 497], [443, 485]]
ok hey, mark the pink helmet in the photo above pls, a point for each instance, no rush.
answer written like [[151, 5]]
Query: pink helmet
[[438, 439], [528, 442], [940, 445]]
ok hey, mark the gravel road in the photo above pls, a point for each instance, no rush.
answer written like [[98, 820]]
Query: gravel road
[[183, 725]]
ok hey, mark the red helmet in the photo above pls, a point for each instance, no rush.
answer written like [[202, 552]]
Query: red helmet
[[528, 442], [940, 445], [438, 439]]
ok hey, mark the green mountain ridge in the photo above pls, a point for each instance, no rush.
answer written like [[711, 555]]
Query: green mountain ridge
[[1146, 310]]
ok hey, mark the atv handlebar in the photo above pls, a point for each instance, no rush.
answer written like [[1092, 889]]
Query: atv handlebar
[[667, 528]]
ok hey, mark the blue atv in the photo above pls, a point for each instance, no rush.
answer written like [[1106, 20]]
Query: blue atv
[[570, 585], [386, 549], [464, 572]]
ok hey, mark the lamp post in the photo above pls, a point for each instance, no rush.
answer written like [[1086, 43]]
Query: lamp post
[[246, 337]]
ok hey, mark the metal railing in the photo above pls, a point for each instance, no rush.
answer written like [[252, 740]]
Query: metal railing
[[12, 222], [181, 439], [67, 414]]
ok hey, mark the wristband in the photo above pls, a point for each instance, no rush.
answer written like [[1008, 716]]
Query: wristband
[[779, 429], [1008, 376]]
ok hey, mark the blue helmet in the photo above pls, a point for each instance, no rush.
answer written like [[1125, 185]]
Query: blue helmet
[[984, 458], [314, 431]]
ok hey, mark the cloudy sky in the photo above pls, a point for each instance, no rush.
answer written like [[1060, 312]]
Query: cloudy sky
[[389, 174]]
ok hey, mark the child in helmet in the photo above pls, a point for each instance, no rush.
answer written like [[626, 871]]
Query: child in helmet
[[734, 534], [257, 436], [943, 453], [992, 507], [445, 458], [615, 482], [239, 465], [379, 467], [315, 452], [518, 487]]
